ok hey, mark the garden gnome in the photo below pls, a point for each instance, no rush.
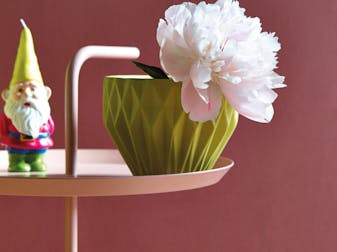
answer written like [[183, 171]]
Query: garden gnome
[[26, 124]]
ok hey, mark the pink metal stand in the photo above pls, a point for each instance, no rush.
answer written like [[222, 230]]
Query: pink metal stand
[[72, 76]]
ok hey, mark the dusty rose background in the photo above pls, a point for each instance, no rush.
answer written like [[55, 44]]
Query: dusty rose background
[[281, 195]]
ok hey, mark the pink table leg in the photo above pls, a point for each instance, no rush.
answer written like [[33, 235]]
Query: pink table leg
[[71, 225]]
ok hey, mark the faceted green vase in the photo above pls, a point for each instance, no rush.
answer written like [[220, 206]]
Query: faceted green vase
[[154, 135]]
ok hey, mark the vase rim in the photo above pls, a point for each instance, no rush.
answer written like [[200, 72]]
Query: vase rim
[[130, 76]]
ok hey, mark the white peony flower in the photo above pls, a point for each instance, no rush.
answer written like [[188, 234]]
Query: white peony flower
[[215, 50]]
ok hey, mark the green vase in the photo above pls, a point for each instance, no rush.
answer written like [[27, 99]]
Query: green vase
[[154, 135]]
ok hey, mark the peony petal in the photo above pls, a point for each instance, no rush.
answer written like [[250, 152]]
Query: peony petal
[[188, 96], [266, 95], [200, 75], [175, 60], [248, 103], [196, 107], [260, 112], [232, 78], [277, 81], [167, 31], [177, 15], [196, 38], [203, 94], [225, 4], [161, 31], [172, 27]]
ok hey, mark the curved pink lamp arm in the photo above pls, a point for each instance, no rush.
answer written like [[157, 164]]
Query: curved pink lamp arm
[[71, 91]]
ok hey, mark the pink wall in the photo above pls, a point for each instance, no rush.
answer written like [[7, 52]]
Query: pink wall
[[280, 197]]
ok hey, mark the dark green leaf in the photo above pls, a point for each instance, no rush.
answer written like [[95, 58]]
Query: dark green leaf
[[154, 72]]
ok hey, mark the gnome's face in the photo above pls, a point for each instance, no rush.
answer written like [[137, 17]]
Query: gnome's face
[[26, 104]]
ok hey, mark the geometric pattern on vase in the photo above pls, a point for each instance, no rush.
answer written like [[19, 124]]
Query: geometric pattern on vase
[[145, 120]]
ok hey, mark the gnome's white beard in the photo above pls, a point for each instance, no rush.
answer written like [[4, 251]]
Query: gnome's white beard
[[28, 119]]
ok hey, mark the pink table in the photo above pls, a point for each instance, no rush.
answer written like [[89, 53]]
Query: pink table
[[74, 173]]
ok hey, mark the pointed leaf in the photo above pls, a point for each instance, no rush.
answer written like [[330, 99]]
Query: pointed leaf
[[154, 72]]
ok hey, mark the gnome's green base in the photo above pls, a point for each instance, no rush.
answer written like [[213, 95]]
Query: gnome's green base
[[26, 162]]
